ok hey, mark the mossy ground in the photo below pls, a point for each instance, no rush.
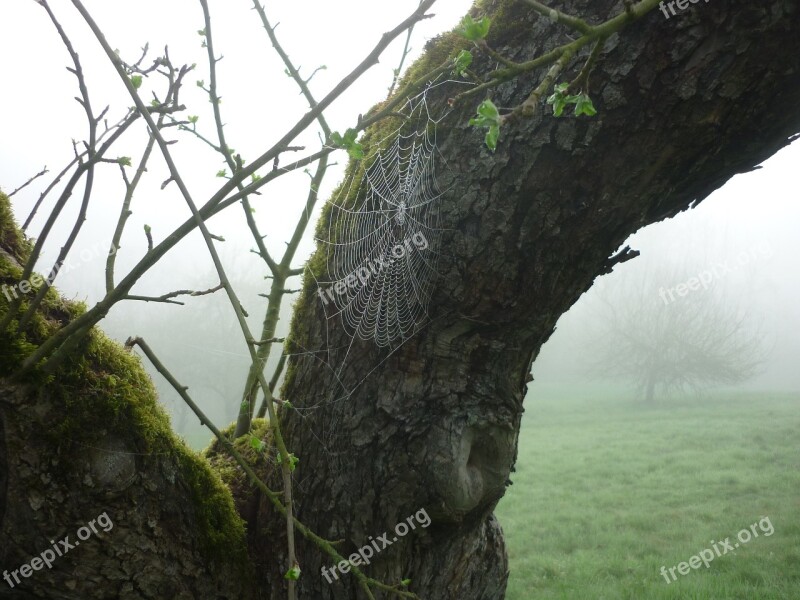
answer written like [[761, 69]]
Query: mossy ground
[[102, 389]]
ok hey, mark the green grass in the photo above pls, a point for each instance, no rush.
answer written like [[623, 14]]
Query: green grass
[[607, 491]]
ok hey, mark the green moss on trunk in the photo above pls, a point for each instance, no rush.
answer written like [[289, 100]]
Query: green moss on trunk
[[103, 390]]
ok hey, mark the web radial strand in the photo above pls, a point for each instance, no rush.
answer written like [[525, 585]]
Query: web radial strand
[[383, 247]]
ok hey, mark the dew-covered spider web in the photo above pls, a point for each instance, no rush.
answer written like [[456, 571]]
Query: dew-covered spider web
[[381, 239], [383, 236]]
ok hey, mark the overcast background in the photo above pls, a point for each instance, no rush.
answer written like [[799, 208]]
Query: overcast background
[[756, 214]]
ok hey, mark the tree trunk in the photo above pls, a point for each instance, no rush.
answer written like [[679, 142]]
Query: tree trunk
[[650, 392], [683, 105]]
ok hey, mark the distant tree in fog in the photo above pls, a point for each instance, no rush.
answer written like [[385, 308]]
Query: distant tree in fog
[[664, 343]]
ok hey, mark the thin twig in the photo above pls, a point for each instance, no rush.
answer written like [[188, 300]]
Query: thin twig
[[41, 173], [93, 158], [131, 115], [559, 17], [406, 52], [167, 298]]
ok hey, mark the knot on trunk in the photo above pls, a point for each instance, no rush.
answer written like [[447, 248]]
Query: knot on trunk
[[470, 467]]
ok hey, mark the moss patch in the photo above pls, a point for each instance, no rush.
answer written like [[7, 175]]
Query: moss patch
[[11, 238], [102, 389], [227, 467], [55, 312]]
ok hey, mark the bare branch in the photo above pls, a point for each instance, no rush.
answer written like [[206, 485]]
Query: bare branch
[[167, 298], [406, 52], [559, 17], [44, 171], [88, 185]]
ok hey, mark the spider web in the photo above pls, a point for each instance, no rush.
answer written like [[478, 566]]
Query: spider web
[[381, 238], [383, 248]]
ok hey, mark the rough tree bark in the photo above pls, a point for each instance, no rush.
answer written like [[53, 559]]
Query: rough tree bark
[[684, 104]]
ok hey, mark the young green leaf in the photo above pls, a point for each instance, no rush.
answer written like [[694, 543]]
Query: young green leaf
[[256, 443], [125, 161], [474, 30], [349, 143], [584, 106], [136, 81], [293, 460], [492, 136], [193, 119], [350, 136], [559, 100], [462, 62], [356, 151], [293, 573], [405, 582], [222, 173], [488, 116]]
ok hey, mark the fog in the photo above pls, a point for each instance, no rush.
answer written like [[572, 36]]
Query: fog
[[745, 237], [750, 224]]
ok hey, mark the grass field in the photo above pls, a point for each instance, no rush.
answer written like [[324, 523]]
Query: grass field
[[608, 491]]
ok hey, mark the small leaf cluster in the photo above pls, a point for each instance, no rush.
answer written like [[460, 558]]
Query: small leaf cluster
[[474, 30], [488, 116], [349, 143], [291, 460], [560, 100], [257, 444], [462, 62]]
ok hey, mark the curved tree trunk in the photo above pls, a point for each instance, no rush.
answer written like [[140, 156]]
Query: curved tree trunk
[[684, 104]]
